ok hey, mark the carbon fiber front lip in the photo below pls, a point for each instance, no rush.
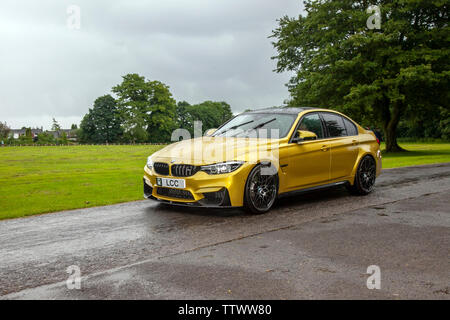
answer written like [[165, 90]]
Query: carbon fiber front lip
[[188, 204]]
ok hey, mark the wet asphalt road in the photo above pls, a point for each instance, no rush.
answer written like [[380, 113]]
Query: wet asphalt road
[[311, 246]]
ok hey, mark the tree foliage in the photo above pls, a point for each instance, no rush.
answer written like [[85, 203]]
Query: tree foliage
[[212, 114], [184, 118], [55, 125], [400, 71], [28, 133], [26, 138], [45, 138], [102, 124], [145, 111], [63, 139], [4, 130], [146, 106]]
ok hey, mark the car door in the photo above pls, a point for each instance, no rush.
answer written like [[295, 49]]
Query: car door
[[344, 147], [309, 161]]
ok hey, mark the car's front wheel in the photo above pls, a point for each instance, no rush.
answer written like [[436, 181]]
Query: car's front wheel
[[365, 176], [261, 189]]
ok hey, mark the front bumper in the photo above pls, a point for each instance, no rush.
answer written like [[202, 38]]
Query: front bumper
[[218, 199], [202, 189]]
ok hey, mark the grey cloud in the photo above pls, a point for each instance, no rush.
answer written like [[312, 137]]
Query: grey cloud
[[215, 50]]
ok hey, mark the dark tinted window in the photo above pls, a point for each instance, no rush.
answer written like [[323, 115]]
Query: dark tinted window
[[351, 128], [312, 122], [335, 125]]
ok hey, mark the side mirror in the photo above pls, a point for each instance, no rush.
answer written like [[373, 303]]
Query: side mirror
[[303, 135], [209, 132]]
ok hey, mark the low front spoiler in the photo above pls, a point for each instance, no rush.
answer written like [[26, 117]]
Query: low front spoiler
[[223, 204], [188, 204]]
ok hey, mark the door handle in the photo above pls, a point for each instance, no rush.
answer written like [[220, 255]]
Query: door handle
[[354, 142], [324, 148]]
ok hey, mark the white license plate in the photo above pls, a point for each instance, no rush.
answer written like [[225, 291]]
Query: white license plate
[[171, 183]]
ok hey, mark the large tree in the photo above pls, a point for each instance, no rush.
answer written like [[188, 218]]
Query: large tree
[[147, 108], [212, 114], [102, 123], [4, 130], [399, 71]]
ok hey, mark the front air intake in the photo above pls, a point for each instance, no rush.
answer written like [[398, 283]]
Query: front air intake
[[174, 193], [161, 168]]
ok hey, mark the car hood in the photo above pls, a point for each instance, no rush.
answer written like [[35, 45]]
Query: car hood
[[207, 150]]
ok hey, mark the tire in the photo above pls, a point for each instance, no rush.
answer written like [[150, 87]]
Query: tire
[[260, 191], [365, 177]]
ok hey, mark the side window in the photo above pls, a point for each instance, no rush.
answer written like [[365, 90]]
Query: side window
[[351, 128], [334, 124], [312, 122]]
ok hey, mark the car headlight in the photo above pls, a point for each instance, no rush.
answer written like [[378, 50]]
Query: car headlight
[[223, 167], [149, 162]]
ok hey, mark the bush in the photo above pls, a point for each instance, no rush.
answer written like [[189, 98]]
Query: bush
[[45, 138]]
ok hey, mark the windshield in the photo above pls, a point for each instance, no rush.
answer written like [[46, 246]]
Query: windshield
[[257, 125]]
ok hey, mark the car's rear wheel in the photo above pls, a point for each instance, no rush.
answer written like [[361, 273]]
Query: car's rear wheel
[[261, 189], [365, 176]]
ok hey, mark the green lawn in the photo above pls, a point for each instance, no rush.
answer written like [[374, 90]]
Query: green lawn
[[45, 179], [418, 153]]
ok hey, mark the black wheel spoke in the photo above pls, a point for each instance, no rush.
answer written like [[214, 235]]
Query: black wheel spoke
[[262, 190], [367, 173]]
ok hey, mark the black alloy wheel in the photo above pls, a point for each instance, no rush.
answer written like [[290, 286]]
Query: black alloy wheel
[[365, 176], [261, 189]]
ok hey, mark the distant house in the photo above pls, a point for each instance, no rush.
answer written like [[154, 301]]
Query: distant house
[[55, 134], [16, 133], [71, 134]]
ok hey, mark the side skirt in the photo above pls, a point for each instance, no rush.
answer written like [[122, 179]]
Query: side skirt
[[324, 186]]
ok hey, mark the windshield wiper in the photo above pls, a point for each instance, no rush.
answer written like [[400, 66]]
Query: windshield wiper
[[263, 124], [235, 127]]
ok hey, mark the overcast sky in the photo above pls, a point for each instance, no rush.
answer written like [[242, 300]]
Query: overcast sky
[[203, 49]]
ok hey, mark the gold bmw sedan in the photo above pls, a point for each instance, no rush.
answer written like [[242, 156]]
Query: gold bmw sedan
[[258, 156]]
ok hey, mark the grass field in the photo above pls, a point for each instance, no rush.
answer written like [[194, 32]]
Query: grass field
[[418, 153], [45, 179]]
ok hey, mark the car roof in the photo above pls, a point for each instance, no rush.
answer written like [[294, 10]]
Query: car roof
[[285, 110]]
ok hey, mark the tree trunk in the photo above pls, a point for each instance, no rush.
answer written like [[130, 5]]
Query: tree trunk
[[391, 139], [390, 130]]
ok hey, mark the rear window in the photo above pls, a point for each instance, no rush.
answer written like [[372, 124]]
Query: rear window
[[335, 125], [351, 128]]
